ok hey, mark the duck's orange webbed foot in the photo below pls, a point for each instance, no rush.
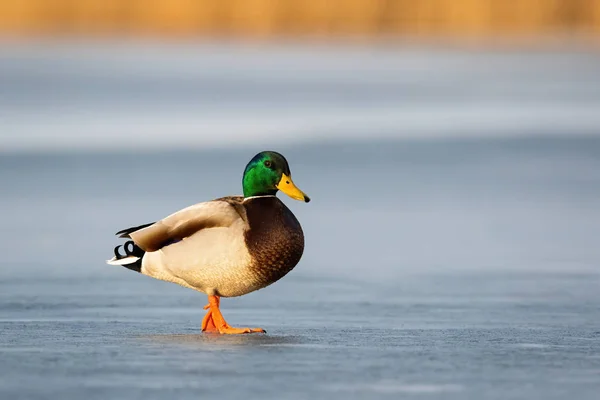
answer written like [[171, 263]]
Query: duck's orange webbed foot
[[214, 322]]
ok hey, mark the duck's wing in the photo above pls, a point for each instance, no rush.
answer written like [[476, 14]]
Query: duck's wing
[[184, 223]]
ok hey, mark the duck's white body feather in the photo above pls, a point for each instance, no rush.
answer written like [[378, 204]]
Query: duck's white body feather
[[207, 252]]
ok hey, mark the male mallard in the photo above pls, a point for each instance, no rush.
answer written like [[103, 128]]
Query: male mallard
[[226, 247]]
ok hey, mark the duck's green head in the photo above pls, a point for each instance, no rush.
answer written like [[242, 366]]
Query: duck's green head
[[267, 173]]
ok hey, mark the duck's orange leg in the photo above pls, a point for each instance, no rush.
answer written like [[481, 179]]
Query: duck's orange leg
[[215, 323], [208, 325]]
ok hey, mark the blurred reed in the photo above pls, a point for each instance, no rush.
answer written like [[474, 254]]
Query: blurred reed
[[264, 18]]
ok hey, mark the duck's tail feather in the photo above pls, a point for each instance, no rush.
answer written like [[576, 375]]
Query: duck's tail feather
[[132, 259], [125, 232]]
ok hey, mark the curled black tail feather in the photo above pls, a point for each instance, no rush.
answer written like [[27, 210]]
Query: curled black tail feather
[[132, 259], [131, 250]]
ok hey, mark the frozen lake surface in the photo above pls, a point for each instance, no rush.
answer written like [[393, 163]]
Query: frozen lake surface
[[474, 275], [464, 266]]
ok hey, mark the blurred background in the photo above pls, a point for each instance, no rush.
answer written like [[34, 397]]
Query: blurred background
[[293, 18], [179, 73], [451, 150]]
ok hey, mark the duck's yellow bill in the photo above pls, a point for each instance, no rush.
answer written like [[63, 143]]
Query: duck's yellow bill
[[286, 185]]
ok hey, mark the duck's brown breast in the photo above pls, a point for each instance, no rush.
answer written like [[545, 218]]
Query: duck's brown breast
[[275, 239]]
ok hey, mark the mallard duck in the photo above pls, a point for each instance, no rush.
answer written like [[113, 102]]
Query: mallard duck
[[226, 247]]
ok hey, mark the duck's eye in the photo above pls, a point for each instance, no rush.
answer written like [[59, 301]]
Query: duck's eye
[[268, 164]]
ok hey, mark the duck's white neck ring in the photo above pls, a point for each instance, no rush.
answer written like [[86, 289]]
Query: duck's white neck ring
[[258, 197]]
